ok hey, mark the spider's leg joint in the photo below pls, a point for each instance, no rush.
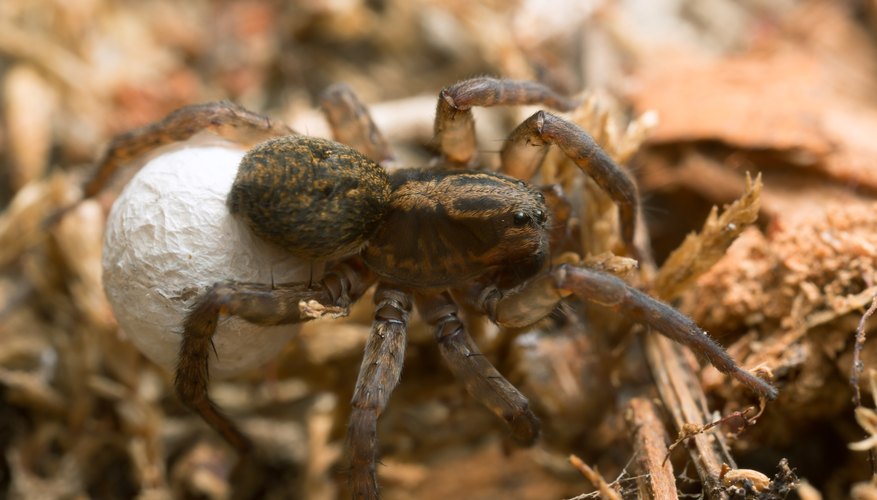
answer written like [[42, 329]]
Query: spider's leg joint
[[447, 327], [446, 96], [539, 124]]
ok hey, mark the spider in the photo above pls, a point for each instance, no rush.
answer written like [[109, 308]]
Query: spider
[[437, 238]]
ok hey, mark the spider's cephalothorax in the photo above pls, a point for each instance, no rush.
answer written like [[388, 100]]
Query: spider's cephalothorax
[[425, 237], [446, 228]]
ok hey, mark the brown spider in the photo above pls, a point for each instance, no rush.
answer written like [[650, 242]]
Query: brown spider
[[431, 238]]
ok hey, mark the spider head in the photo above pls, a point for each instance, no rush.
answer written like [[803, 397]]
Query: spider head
[[522, 237], [446, 228]]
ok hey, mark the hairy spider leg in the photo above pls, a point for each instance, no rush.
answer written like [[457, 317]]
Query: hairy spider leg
[[259, 304], [455, 136], [378, 376], [532, 303], [352, 124], [455, 125], [527, 145], [474, 370], [224, 118]]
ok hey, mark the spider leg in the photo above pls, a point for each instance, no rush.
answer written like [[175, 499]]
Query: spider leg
[[542, 129], [455, 125], [223, 118], [352, 123], [468, 365], [522, 308], [378, 375], [259, 304]]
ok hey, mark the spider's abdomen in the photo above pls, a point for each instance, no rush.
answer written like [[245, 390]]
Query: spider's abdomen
[[316, 198], [446, 228]]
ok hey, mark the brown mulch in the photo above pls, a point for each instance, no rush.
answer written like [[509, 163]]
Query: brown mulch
[[692, 100]]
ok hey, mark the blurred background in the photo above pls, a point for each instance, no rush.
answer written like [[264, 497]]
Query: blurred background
[[702, 92]]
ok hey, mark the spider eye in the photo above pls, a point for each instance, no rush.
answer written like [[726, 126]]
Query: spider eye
[[540, 196], [521, 218], [540, 216]]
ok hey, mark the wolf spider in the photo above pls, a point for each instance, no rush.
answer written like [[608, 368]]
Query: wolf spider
[[434, 238]]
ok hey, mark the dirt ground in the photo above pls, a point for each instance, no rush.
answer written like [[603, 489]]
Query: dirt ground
[[748, 125]]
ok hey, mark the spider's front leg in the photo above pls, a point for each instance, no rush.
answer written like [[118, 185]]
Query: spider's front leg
[[481, 379], [455, 125], [542, 294], [520, 159], [259, 304], [455, 136], [378, 376]]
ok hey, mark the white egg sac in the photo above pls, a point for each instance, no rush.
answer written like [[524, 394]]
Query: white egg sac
[[169, 238]]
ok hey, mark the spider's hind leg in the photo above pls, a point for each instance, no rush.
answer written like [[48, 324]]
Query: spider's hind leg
[[226, 119], [259, 304], [352, 123]]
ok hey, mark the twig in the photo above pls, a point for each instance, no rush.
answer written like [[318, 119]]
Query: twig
[[51, 57], [617, 484], [682, 395], [856, 371], [690, 430], [858, 366], [595, 478], [649, 437]]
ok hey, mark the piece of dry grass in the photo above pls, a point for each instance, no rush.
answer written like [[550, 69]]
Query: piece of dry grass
[[699, 252]]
